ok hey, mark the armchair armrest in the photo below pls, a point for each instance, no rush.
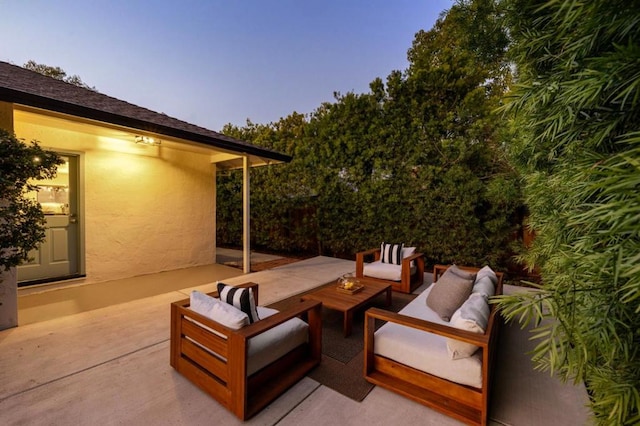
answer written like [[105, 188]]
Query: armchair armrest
[[360, 260], [310, 307], [406, 267], [414, 256], [370, 251]]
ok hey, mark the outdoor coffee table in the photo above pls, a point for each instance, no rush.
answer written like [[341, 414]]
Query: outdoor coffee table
[[347, 303]]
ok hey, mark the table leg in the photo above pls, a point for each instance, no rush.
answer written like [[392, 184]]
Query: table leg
[[389, 296], [348, 322]]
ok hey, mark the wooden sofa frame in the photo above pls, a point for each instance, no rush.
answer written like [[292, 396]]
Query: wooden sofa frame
[[408, 282], [226, 380], [465, 403]]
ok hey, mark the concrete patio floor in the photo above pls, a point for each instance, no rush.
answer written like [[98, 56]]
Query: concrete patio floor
[[44, 302], [111, 366]]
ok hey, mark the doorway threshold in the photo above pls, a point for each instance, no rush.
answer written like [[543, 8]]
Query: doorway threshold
[[50, 280]]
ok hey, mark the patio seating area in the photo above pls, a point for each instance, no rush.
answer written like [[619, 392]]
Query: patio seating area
[[111, 366]]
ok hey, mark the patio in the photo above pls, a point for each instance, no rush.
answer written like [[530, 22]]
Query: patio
[[111, 366]]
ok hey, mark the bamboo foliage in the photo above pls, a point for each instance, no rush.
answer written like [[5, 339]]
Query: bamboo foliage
[[577, 103]]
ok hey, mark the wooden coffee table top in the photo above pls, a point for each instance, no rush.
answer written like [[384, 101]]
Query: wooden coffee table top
[[339, 301], [347, 303]]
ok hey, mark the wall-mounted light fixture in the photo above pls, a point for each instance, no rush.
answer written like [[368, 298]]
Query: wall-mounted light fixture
[[147, 140]]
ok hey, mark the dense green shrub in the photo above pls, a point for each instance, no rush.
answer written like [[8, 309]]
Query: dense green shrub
[[22, 223], [419, 159]]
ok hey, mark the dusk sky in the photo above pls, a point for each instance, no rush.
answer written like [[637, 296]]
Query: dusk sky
[[217, 62]]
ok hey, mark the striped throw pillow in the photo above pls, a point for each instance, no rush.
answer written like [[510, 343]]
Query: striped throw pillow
[[241, 298], [391, 253]]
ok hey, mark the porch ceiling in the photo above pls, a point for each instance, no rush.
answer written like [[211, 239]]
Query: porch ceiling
[[224, 159]]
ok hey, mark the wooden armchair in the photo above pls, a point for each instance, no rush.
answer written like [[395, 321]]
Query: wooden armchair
[[407, 282], [215, 357]]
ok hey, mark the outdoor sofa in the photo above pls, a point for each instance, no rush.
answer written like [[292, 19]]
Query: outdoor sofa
[[244, 367], [425, 358]]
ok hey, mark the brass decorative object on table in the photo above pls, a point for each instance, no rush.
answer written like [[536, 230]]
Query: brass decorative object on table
[[349, 284]]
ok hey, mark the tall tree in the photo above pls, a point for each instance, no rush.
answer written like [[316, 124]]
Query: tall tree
[[57, 73], [417, 159], [577, 102], [457, 75]]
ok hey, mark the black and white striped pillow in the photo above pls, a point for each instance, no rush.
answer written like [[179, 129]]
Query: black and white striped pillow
[[391, 253], [241, 298]]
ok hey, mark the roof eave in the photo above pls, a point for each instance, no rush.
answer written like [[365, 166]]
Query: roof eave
[[37, 101]]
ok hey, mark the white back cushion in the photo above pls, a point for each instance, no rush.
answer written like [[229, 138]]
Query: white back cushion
[[472, 316], [485, 283], [220, 312]]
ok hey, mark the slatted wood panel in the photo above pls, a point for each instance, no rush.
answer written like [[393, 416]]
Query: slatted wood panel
[[464, 394], [205, 360], [207, 339], [429, 397], [205, 381]]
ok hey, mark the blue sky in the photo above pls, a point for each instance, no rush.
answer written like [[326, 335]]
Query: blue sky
[[216, 62]]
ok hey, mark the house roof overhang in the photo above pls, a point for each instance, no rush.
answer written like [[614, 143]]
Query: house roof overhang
[[30, 89]]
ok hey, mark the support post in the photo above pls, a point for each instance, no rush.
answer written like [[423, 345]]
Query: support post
[[246, 211], [215, 213]]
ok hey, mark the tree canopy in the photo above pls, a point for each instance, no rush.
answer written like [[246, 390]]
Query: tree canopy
[[57, 73], [419, 159]]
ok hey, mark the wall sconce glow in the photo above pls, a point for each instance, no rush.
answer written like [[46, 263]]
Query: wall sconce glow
[[146, 140]]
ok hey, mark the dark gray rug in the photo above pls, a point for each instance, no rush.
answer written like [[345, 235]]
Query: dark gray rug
[[342, 363], [343, 349]]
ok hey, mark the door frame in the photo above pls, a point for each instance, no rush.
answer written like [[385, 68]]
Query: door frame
[[80, 242]]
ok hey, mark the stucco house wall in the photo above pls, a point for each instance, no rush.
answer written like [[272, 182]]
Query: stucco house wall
[[142, 209], [145, 209]]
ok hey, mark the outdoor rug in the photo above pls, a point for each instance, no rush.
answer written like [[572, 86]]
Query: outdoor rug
[[342, 363]]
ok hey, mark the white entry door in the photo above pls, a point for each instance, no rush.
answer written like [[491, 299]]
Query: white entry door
[[58, 256]]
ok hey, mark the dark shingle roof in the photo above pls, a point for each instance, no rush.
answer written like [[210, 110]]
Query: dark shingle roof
[[25, 87]]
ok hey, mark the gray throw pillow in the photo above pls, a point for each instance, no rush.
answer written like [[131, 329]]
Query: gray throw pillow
[[449, 293], [462, 273]]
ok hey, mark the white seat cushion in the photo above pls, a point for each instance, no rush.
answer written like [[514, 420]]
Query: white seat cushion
[[267, 347], [426, 351], [385, 271]]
